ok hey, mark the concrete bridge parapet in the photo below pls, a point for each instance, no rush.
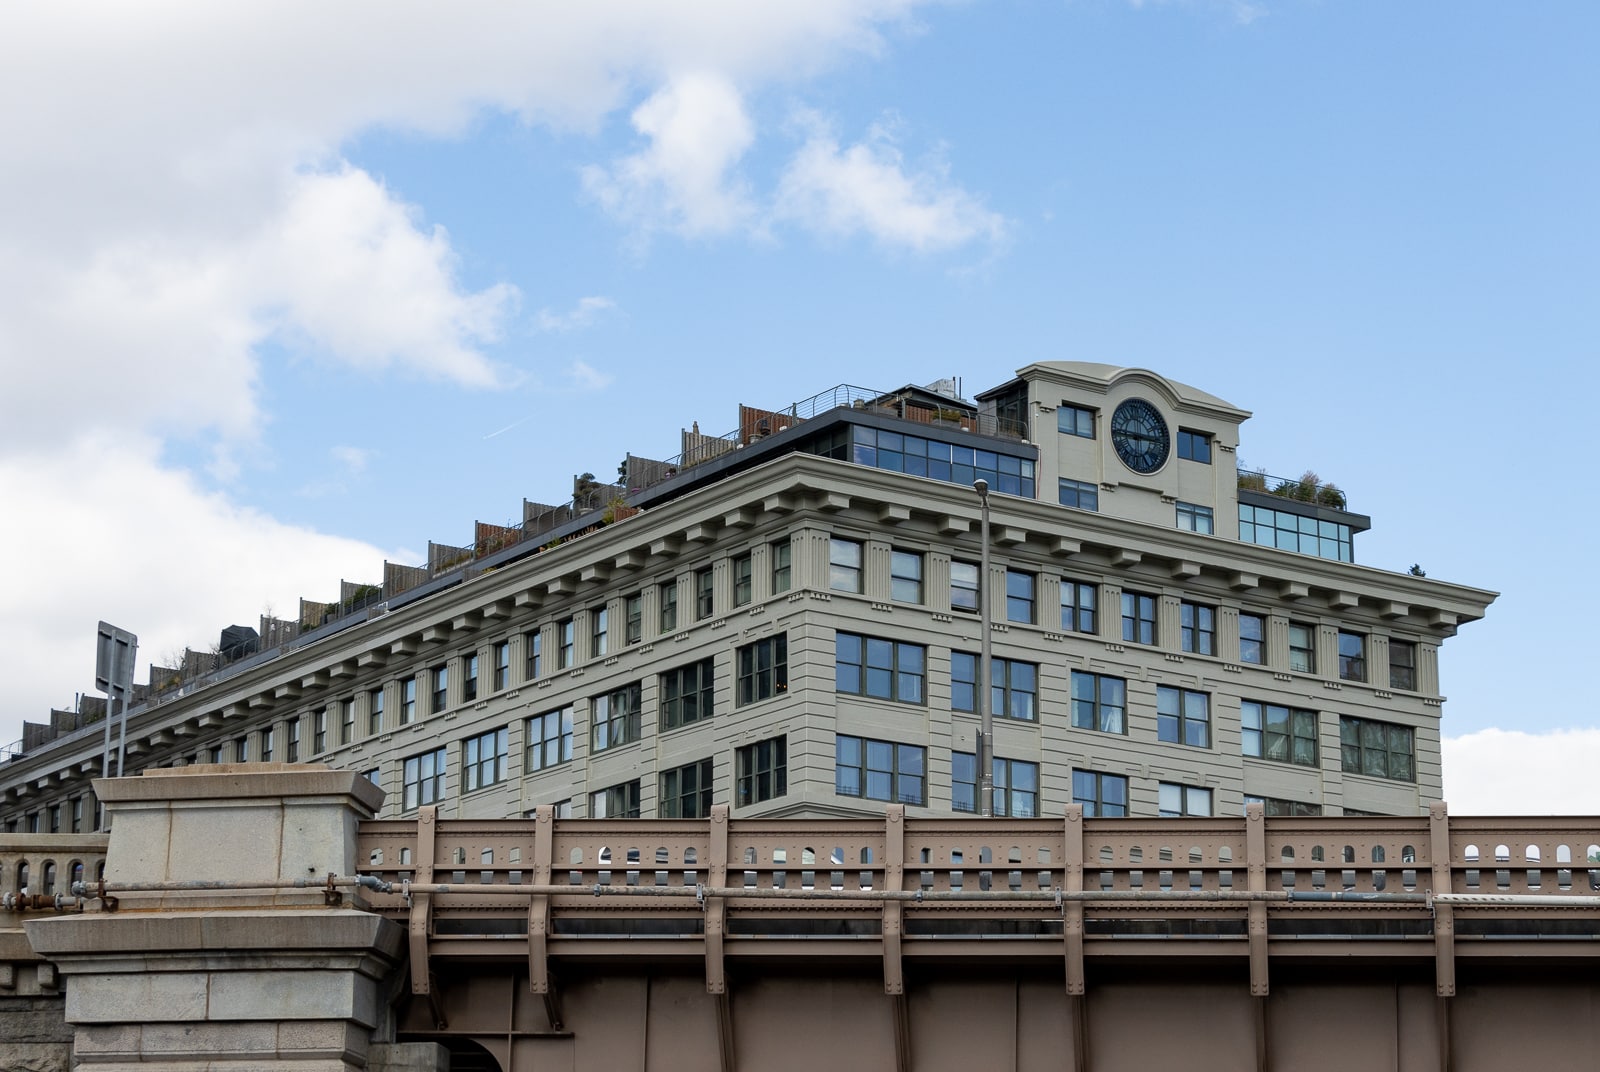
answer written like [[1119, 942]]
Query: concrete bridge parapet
[[225, 949]]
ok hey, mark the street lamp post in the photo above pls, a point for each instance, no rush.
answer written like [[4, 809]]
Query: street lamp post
[[985, 757]]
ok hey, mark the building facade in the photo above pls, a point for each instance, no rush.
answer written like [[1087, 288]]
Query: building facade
[[787, 620]]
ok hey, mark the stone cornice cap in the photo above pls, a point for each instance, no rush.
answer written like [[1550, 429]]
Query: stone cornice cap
[[282, 782]]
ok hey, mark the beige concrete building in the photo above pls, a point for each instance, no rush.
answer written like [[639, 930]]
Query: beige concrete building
[[787, 620]]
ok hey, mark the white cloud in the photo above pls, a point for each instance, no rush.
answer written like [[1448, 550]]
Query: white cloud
[[180, 201], [193, 563], [583, 315], [684, 179], [866, 188], [354, 460], [1511, 772], [587, 378]]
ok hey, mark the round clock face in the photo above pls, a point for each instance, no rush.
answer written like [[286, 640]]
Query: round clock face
[[1139, 433]]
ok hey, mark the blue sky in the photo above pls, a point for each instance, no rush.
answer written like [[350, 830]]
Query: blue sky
[[285, 291]]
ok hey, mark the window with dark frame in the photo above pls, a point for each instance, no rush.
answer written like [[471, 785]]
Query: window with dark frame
[[1302, 648], [548, 740], [1020, 596], [743, 567], [614, 718], [762, 669], [686, 791], [667, 597], [1183, 716], [1078, 599], [844, 565], [1099, 702], [704, 591], [1075, 421], [599, 638], [779, 554], [1252, 639], [1377, 749], [880, 770], [1016, 786], [1352, 656], [469, 678], [566, 643], [1402, 665], [964, 586], [1193, 518], [441, 687], [502, 665], [408, 701], [905, 576], [615, 802], [1138, 618], [1013, 687], [1198, 628], [532, 653], [880, 668], [761, 771], [1175, 800], [1102, 796], [1278, 732], [686, 694], [1078, 494], [375, 711], [422, 779], [1194, 446], [483, 759], [633, 617]]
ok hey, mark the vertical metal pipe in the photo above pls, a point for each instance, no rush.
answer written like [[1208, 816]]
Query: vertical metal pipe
[[985, 756]]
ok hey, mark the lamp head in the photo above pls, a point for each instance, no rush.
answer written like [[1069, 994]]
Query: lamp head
[[981, 486]]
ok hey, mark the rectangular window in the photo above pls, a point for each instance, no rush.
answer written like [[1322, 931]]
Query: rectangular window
[[1013, 686], [686, 694], [266, 745], [1138, 618], [1402, 664], [375, 711], [1279, 733], [779, 554], [761, 771], [614, 718], [704, 584], [1194, 446], [55, 827], [1016, 786], [1080, 494], [1019, 596], [408, 701], [77, 815], [844, 565], [241, 749], [743, 579], [1199, 628], [1103, 796], [964, 586], [423, 779], [686, 792], [885, 669], [617, 802], [667, 596], [1380, 749], [347, 720], [1352, 656], [566, 644], [214, 754], [763, 669], [1275, 807], [502, 665], [1176, 800], [1302, 648], [374, 776], [319, 732], [1183, 716], [633, 617], [1252, 639], [598, 626], [905, 576], [469, 679], [549, 740], [1099, 702], [291, 744], [483, 759], [1075, 421], [441, 687], [1192, 518], [532, 653], [879, 770], [1078, 606]]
